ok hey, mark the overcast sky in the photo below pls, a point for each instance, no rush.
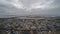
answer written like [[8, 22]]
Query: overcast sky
[[30, 7]]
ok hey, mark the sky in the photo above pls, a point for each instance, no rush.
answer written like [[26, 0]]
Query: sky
[[30, 7]]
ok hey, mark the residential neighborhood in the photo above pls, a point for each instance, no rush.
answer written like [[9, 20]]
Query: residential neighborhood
[[30, 25]]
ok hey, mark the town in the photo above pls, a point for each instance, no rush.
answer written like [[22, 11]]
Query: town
[[30, 25]]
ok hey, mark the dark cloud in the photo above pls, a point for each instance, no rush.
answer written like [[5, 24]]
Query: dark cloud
[[27, 7], [6, 8]]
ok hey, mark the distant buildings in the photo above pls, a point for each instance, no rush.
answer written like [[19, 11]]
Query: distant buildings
[[24, 25]]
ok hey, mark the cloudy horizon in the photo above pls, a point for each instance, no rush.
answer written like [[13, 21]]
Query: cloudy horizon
[[30, 7]]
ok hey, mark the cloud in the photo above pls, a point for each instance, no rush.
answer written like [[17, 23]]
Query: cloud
[[16, 3], [32, 4], [27, 7], [10, 8]]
